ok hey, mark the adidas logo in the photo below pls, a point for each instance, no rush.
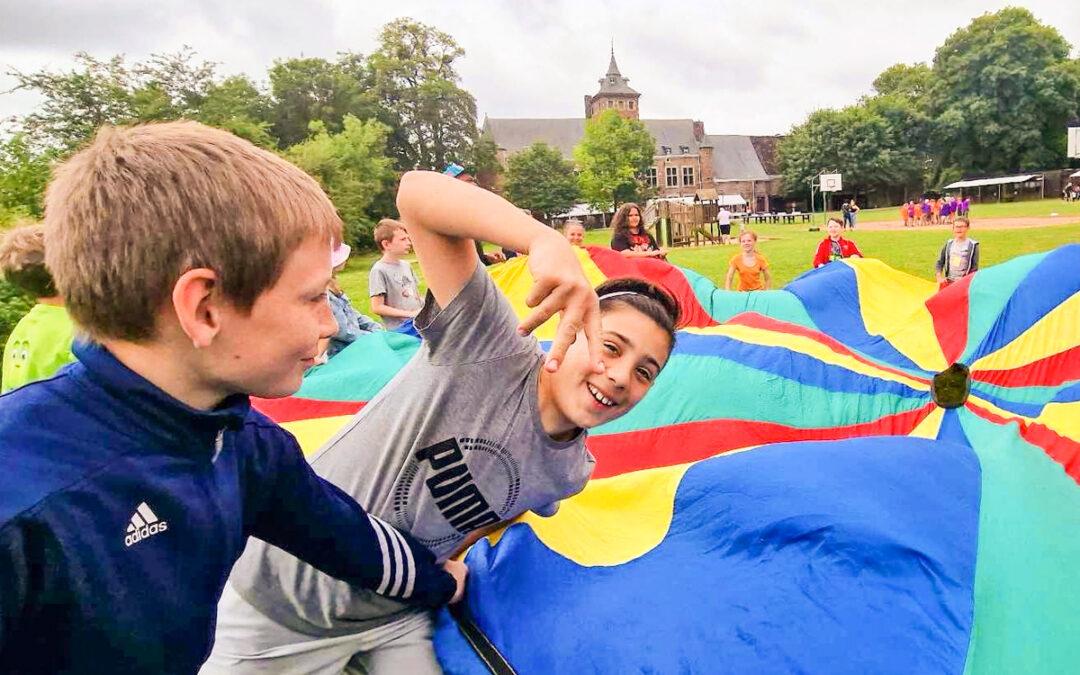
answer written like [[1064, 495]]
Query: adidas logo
[[144, 524]]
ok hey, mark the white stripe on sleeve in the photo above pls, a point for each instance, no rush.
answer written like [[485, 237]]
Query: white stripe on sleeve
[[408, 567], [377, 525]]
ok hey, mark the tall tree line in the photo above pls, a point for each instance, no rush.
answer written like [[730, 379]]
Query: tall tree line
[[996, 99], [354, 122]]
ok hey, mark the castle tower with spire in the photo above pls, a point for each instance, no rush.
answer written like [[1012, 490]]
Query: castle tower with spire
[[615, 93]]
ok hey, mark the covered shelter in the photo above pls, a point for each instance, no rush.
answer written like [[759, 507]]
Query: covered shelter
[[1007, 188]]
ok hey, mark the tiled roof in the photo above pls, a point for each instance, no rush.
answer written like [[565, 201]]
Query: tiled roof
[[734, 158], [513, 135]]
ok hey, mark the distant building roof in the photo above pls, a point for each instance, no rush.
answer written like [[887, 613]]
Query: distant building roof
[[766, 147], [513, 135], [614, 82], [734, 158]]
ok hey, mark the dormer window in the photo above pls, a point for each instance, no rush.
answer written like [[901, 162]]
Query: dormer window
[[665, 149], [684, 149]]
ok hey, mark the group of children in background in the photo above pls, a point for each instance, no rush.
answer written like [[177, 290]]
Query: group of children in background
[[934, 211]]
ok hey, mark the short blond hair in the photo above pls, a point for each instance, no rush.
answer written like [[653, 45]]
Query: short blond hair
[[22, 261], [572, 223], [385, 230], [141, 205]]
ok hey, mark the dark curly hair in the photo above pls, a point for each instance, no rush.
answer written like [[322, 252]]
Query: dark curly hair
[[620, 222], [647, 298]]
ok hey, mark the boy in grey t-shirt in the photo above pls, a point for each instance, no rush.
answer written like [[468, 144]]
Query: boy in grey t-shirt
[[394, 291], [959, 256], [476, 429]]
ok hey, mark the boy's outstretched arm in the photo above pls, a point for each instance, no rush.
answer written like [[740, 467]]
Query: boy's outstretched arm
[[443, 215]]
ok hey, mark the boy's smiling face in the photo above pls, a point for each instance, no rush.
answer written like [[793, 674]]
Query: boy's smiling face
[[265, 352], [634, 350]]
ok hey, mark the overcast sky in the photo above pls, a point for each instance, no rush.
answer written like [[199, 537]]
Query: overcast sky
[[741, 67]]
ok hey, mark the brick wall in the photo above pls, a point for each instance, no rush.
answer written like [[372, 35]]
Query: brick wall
[[678, 162]]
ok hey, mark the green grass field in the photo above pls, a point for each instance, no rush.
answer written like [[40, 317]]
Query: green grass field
[[790, 248]]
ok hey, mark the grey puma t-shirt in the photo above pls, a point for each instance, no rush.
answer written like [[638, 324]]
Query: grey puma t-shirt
[[452, 444]]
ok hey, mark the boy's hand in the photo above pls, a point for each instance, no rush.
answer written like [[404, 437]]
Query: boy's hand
[[459, 571], [560, 285]]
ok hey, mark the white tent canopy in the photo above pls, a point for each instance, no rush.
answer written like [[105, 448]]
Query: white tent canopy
[[722, 200], [1075, 175], [1001, 180]]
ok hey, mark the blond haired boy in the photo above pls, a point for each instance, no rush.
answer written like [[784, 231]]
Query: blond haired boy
[[40, 344], [197, 264]]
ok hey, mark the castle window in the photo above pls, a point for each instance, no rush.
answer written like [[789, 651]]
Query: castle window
[[619, 103], [665, 149], [650, 176], [631, 103], [672, 176], [684, 149], [688, 175]]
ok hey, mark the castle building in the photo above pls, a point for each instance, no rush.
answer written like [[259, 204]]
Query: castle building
[[687, 161]]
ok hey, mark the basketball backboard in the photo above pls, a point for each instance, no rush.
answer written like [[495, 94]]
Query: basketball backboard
[[831, 182]]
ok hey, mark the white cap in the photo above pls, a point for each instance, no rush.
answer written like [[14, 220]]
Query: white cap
[[339, 255]]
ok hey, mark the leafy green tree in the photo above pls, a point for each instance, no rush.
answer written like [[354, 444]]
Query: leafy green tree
[[75, 103], [540, 180], [352, 167], [170, 86], [311, 89], [23, 176], [237, 105], [901, 79], [857, 141], [413, 76], [611, 158], [1003, 90], [484, 163], [96, 92]]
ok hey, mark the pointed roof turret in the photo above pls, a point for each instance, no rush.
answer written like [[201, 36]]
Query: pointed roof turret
[[613, 68], [613, 81]]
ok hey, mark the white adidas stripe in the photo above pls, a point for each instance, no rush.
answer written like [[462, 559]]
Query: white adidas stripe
[[146, 513], [398, 561], [410, 567], [377, 526], [402, 571]]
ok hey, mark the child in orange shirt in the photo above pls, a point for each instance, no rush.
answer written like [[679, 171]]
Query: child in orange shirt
[[752, 267]]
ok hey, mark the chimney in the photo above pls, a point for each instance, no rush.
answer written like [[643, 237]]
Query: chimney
[[707, 175], [699, 130]]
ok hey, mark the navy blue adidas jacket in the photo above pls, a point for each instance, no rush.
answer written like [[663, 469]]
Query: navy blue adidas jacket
[[122, 511]]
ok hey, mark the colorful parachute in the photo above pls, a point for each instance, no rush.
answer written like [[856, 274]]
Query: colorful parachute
[[916, 538]]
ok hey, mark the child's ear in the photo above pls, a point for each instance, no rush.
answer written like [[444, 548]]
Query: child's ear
[[195, 299]]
